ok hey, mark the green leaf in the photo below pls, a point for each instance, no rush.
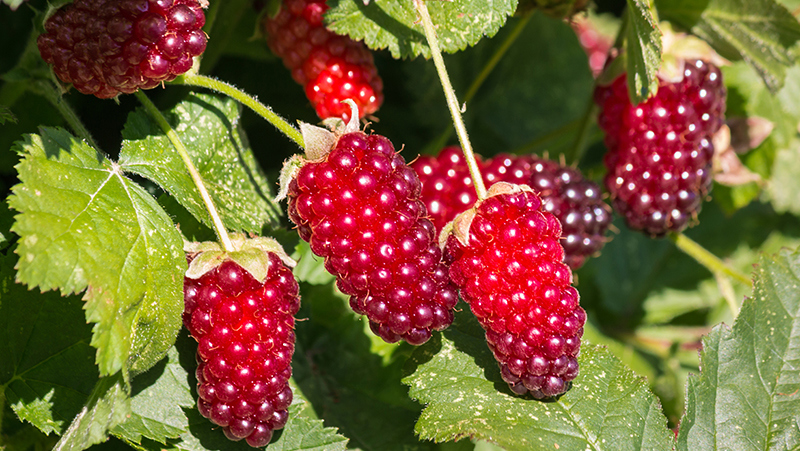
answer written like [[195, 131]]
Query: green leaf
[[525, 98], [157, 398], [746, 397], [83, 224], [457, 378], [310, 268], [108, 406], [784, 187], [760, 32], [643, 51], [45, 377], [370, 405], [208, 127], [6, 115], [393, 25]]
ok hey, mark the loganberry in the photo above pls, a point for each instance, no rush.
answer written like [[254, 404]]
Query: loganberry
[[660, 151], [447, 190], [359, 208], [108, 47], [331, 68], [506, 258], [245, 333]]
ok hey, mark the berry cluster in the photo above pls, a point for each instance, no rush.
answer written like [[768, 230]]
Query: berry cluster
[[447, 190], [660, 151], [506, 258], [331, 68], [359, 209], [245, 331], [108, 47]]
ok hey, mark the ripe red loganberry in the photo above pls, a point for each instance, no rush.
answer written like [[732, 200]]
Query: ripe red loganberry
[[359, 209], [108, 47], [506, 259], [447, 190], [331, 68], [245, 334], [660, 151]]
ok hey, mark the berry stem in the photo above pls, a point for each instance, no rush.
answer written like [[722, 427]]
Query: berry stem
[[452, 101], [706, 258], [484, 74], [155, 113], [245, 99], [51, 92]]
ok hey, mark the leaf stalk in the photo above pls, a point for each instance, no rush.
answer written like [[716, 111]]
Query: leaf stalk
[[156, 114], [245, 99], [49, 91], [487, 69], [450, 95], [706, 258]]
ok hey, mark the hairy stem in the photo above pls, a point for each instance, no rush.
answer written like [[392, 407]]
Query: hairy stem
[[450, 95], [706, 258], [155, 113], [246, 100], [487, 69], [50, 91]]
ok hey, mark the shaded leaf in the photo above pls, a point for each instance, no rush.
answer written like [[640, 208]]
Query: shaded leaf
[[456, 377], [761, 32], [6, 115], [108, 406], [83, 224], [747, 396], [643, 51], [393, 25], [352, 381], [45, 377], [157, 398], [208, 126]]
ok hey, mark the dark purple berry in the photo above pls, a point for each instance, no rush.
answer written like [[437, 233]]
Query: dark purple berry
[[660, 151]]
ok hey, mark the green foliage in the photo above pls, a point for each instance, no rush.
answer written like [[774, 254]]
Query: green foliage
[[207, 125], [643, 52], [746, 396], [458, 379], [85, 226], [760, 32], [387, 24]]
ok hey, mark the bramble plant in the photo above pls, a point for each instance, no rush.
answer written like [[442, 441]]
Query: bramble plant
[[187, 262]]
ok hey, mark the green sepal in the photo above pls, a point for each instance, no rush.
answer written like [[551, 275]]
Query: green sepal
[[252, 254]]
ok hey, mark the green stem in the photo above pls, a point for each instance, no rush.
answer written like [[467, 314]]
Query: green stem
[[245, 99], [579, 146], [484, 74], [155, 113], [50, 91], [706, 258], [452, 101], [2, 412]]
